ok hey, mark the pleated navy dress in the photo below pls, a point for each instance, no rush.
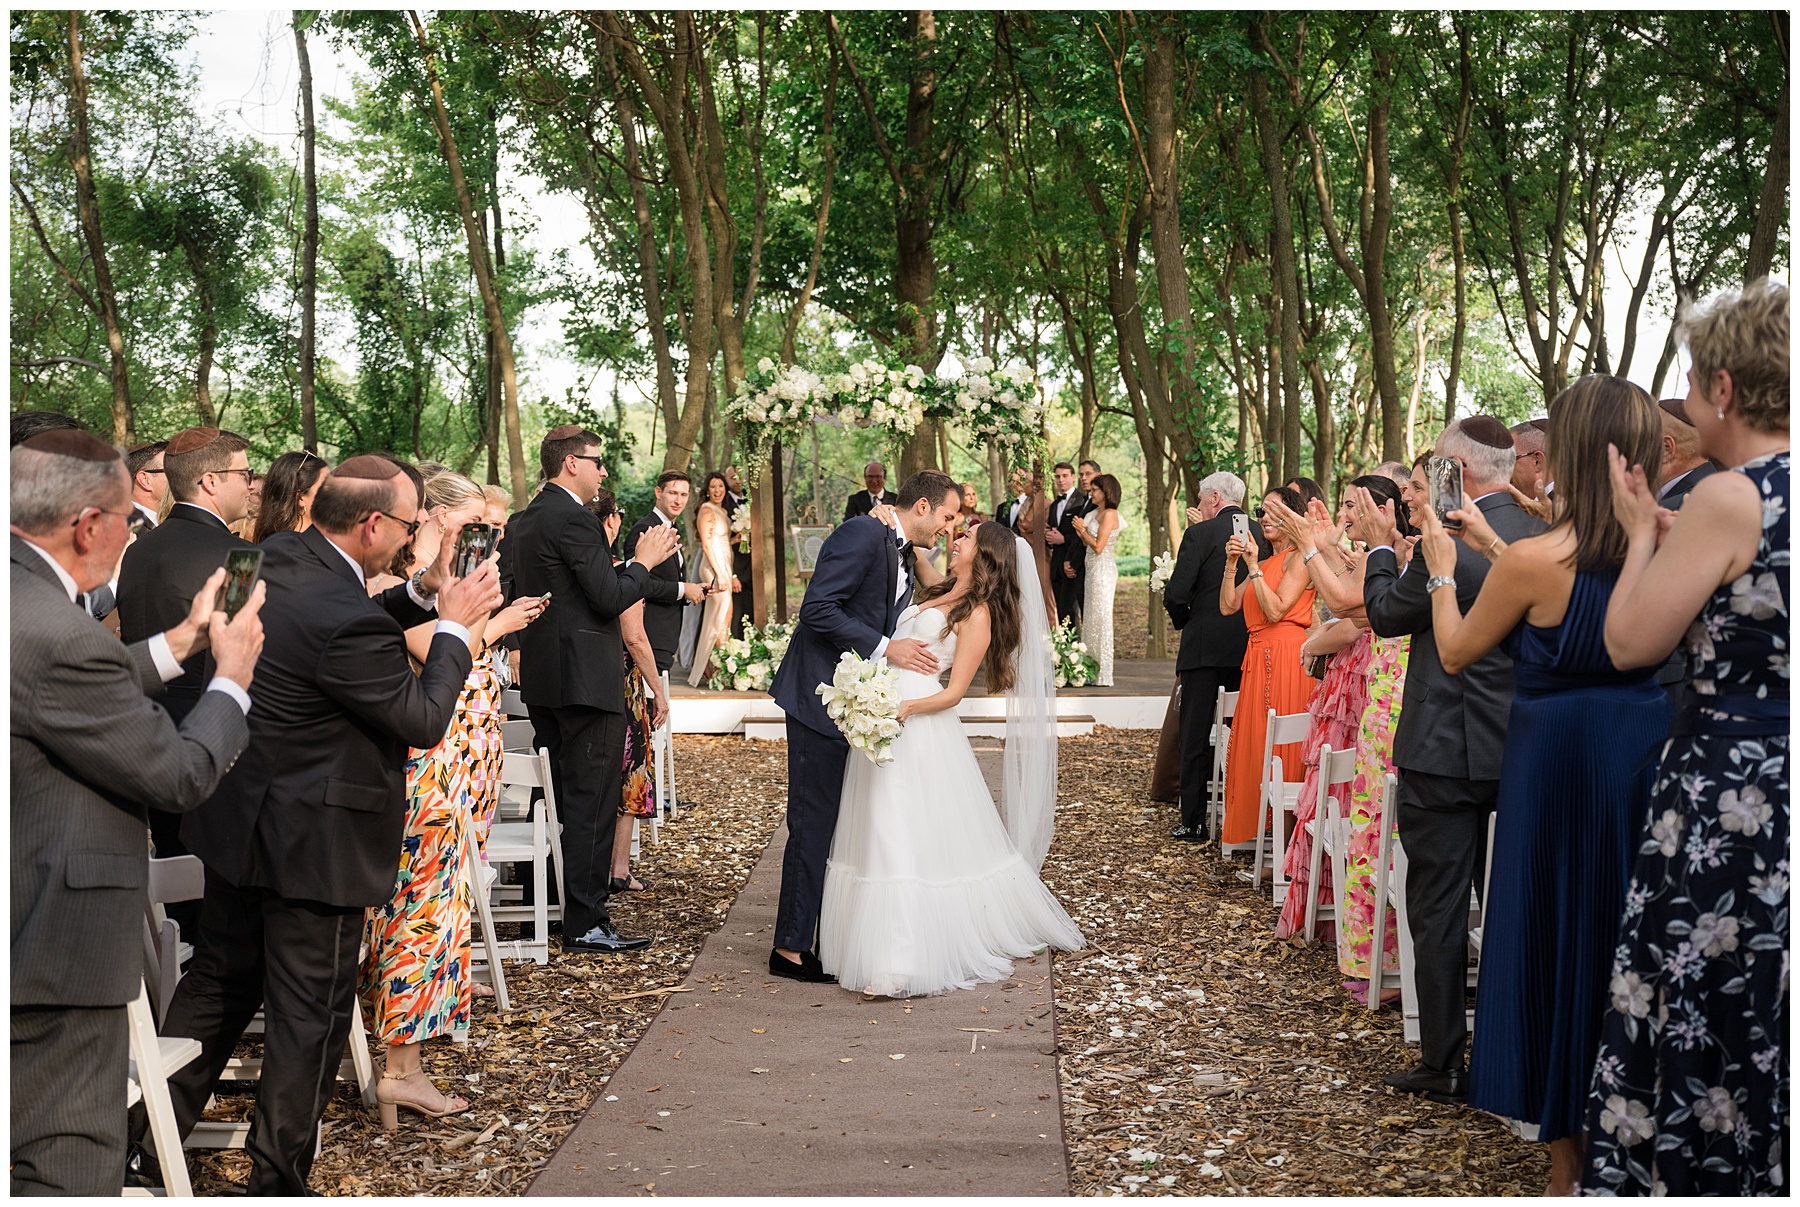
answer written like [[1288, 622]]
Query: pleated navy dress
[[1574, 783]]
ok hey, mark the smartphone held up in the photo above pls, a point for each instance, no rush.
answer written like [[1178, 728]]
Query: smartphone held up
[[1445, 477], [242, 567], [474, 545]]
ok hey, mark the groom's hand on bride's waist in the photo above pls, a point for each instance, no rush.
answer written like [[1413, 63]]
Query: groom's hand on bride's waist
[[910, 655]]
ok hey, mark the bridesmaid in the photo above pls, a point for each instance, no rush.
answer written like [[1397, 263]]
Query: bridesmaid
[[714, 528], [1690, 1093], [1099, 531], [1575, 776], [1272, 676]]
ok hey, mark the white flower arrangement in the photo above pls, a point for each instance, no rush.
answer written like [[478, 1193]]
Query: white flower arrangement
[[872, 394], [863, 701], [748, 663], [1075, 667], [1002, 405], [770, 398], [740, 529], [1161, 567]]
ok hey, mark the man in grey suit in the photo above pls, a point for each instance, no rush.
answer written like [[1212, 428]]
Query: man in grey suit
[[90, 754], [1447, 745]]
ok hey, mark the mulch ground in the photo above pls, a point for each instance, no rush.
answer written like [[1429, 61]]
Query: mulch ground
[[1198, 1053]]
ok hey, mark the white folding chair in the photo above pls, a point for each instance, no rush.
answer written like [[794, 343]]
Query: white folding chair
[[491, 970], [1276, 799], [1224, 709], [153, 1058], [1330, 831], [662, 746], [537, 842], [177, 878]]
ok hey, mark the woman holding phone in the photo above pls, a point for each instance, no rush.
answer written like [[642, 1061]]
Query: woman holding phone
[[416, 983]]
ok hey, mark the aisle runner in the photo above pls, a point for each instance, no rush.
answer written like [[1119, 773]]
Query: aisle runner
[[755, 1085]]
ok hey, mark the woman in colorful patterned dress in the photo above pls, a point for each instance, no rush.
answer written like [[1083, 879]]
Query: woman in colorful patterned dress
[[415, 978], [1277, 600], [1690, 1085]]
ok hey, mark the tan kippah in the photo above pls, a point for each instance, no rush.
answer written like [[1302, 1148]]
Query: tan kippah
[[191, 440], [70, 442], [1485, 429], [370, 467]]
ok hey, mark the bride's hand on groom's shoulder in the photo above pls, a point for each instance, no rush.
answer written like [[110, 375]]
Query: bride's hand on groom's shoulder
[[910, 655]]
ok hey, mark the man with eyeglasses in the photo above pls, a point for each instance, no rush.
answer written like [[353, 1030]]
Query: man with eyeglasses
[[207, 472]]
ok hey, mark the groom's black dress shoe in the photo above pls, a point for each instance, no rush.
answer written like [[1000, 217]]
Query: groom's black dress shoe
[[1186, 834], [1448, 1088], [603, 938], [808, 969]]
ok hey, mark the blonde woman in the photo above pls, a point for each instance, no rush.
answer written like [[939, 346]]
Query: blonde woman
[[714, 527]]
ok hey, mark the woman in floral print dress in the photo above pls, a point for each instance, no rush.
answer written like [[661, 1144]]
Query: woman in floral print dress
[[1690, 1086], [1374, 763]]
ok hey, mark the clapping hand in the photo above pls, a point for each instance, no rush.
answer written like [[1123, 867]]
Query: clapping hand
[[1295, 527], [1194, 516], [1372, 523], [656, 546]]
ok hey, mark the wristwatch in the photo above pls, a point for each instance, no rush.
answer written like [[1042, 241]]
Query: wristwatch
[[1439, 580], [418, 585]]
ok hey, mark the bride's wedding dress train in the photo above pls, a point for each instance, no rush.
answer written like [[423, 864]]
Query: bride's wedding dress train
[[924, 890]]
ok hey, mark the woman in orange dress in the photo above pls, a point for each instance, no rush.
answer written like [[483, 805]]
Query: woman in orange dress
[[1272, 674]]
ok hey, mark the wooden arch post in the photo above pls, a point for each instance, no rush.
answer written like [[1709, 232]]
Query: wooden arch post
[[768, 570]]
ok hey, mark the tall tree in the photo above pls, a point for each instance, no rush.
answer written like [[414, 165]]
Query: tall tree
[[309, 243], [88, 205]]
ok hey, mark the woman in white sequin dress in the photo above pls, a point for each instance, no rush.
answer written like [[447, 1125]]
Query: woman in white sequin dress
[[1098, 530]]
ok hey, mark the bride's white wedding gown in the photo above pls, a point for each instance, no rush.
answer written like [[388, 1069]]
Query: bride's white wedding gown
[[924, 892]]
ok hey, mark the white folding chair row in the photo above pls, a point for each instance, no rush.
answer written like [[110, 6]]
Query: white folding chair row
[[153, 1059], [1330, 830], [1276, 799], [536, 841], [1224, 709]]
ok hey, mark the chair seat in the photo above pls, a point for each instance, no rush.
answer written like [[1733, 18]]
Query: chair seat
[[510, 842]]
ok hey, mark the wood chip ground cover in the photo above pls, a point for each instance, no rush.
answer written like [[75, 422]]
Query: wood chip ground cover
[[1198, 1054]]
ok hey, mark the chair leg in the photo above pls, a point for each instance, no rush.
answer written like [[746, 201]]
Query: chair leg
[[360, 1059], [153, 1082], [1320, 827], [485, 918]]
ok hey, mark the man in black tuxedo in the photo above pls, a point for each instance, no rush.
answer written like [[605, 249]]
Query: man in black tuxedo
[[667, 593], [736, 499], [149, 484], [1212, 645], [1068, 555], [304, 834], [572, 668], [1007, 511], [207, 471], [874, 493], [1447, 745]]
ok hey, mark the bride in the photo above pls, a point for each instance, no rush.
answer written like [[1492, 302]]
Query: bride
[[927, 888]]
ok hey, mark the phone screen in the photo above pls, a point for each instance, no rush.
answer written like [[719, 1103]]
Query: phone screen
[[1445, 476], [242, 566], [1240, 526], [473, 546]]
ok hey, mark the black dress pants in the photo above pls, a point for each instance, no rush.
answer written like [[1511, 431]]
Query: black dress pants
[[1199, 697], [68, 1100], [1443, 823], [587, 767], [815, 786], [1069, 593], [298, 962]]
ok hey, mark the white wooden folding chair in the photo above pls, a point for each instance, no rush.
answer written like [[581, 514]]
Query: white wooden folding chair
[[475, 876], [1275, 800], [176, 878], [153, 1059], [1224, 709], [537, 842], [1330, 830], [662, 747]]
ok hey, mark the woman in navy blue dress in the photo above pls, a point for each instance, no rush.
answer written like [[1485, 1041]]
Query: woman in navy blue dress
[[1690, 1090], [1580, 746]]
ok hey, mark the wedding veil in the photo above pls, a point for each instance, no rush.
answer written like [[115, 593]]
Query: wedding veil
[[1028, 780]]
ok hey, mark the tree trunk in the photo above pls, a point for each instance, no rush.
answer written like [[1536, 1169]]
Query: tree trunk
[[1287, 280], [726, 321], [484, 279], [1162, 151], [1459, 252], [209, 336], [804, 299], [915, 269], [1771, 210], [87, 205], [309, 251]]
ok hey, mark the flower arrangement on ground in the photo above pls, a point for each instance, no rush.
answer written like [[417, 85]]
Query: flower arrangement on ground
[[863, 701], [1161, 567], [1075, 667], [748, 663]]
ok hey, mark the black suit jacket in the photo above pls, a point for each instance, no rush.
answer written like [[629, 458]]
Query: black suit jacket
[[1003, 510], [572, 656], [1191, 597], [1071, 552], [662, 617], [1678, 489], [316, 808], [862, 502], [1450, 725], [1673, 671], [162, 571]]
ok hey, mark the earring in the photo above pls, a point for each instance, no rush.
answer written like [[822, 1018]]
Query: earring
[[1721, 413]]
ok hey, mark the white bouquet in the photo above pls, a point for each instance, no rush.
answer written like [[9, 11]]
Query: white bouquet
[[740, 529], [1162, 566], [1075, 667], [863, 700], [749, 663]]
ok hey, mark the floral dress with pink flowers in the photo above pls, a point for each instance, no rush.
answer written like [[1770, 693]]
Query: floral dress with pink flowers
[[1374, 762]]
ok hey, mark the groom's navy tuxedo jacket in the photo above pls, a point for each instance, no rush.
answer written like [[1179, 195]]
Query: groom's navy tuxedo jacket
[[850, 604]]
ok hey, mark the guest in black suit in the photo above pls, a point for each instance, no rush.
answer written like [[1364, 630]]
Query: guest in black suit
[[90, 752], [572, 666], [874, 494], [667, 593], [1683, 466], [1068, 553], [735, 498], [1447, 745], [305, 832], [149, 485], [208, 474], [1212, 645], [1007, 511]]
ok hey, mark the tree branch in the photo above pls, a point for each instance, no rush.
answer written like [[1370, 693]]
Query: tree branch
[[60, 360], [868, 102], [44, 241]]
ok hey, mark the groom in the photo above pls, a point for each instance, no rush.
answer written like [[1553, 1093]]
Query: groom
[[862, 582]]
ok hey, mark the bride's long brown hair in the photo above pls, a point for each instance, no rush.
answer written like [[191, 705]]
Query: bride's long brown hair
[[994, 581]]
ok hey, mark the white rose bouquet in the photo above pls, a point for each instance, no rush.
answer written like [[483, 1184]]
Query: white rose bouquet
[[1075, 667], [1162, 566], [863, 700], [740, 529], [748, 663]]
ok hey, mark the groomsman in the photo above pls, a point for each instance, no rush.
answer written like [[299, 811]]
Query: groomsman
[[1068, 555], [149, 485], [1007, 510], [736, 500], [872, 496], [662, 606]]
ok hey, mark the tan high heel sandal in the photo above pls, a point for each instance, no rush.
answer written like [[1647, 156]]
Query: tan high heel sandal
[[389, 1107]]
